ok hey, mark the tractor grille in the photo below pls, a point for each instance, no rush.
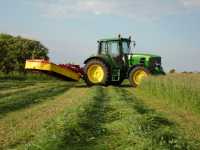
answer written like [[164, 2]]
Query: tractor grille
[[142, 60], [154, 61]]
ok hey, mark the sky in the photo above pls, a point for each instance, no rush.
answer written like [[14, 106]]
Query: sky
[[70, 28]]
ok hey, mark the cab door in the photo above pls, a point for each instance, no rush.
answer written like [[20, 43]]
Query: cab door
[[115, 53]]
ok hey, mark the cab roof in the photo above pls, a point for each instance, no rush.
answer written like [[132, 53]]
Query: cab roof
[[114, 39]]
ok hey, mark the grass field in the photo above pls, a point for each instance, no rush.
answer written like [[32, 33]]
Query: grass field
[[57, 115], [181, 90]]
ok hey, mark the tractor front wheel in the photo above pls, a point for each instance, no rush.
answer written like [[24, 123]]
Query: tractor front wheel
[[96, 72], [137, 74]]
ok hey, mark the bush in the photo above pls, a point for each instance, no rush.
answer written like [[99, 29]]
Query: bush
[[172, 71], [15, 50]]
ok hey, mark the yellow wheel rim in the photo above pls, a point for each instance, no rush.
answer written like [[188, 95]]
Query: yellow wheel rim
[[138, 76], [95, 73]]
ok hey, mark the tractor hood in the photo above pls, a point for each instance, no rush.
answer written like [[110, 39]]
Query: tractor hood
[[150, 61], [144, 55], [143, 58]]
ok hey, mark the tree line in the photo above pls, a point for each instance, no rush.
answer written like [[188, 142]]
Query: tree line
[[15, 50]]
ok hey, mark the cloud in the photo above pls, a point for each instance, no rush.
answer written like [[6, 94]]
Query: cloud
[[130, 8], [191, 3]]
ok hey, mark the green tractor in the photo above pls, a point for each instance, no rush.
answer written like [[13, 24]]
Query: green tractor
[[114, 62]]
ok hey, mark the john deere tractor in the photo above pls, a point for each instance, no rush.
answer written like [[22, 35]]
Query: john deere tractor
[[114, 62]]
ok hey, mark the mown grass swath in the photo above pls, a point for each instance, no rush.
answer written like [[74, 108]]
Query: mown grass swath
[[25, 76], [64, 132], [159, 132], [23, 99], [20, 127], [111, 118], [13, 88], [10, 84], [180, 90], [103, 117]]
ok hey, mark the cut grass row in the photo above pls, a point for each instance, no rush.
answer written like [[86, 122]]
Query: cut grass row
[[158, 131], [20, 126], [66, 126], [95, 118], [112, 118], [15, 84], [26, 98], [9, 84], [18, 90], [25, 76]]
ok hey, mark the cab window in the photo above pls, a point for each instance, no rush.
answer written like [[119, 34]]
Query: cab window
[[113, 48], [126, 47], [103, 47]]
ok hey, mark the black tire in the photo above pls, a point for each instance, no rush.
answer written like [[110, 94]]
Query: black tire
[[132, 73], [105, 68]]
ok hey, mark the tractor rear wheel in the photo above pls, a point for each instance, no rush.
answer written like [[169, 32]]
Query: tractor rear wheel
[[96, 72], [137, 74]]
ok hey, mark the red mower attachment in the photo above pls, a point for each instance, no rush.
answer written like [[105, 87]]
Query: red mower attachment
[[73, 67]]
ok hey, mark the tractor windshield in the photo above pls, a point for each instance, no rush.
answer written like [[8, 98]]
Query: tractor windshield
[[126, 47]]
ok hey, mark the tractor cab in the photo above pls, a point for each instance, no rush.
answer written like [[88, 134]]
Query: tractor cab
[[114, 47]]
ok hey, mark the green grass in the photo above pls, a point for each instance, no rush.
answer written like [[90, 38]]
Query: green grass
[[10, 84], [155, 128], [180, 90], [25, 76], [52, 114], [24, 107], [25, 98], [111, 118], [64, 131]]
